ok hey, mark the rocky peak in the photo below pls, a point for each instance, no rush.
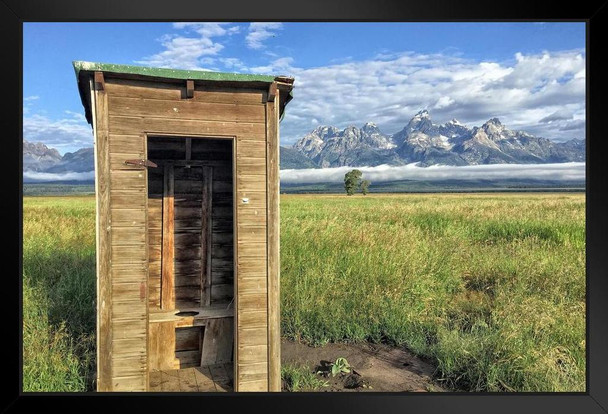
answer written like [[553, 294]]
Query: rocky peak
[[324, 131]]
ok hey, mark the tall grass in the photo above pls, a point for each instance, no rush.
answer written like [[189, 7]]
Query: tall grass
[[58, 294], [491, 287]]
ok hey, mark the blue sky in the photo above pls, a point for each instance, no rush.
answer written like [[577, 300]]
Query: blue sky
[[530, 75]]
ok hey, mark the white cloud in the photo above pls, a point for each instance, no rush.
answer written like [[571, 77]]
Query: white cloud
[[391, 88], [31, 98], [278, 65], [42, 176], [259, 32], [233, 64], [66, 134], [185, 52], [559, 115], [383, 173]]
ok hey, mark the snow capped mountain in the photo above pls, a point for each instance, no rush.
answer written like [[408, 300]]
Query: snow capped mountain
[[427, 143], [38, 157], [327, 146]]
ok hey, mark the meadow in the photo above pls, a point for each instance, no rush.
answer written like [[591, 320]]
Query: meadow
[[489, 287]]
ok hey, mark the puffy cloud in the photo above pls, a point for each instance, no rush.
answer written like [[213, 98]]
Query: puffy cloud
[[391, 88], [559, 115], [65, 134], [259, 32], [186, 52], [383, 173]]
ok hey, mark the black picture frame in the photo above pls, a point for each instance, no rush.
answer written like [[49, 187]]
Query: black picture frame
[[13, 13]]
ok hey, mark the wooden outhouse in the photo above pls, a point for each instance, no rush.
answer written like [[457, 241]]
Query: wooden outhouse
[[187, 224]]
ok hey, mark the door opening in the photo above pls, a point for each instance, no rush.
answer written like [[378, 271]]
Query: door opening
[[190, 262]]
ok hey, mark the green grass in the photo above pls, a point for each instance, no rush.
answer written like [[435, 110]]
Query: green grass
[[301, 378], [58, 294], [489, 286]]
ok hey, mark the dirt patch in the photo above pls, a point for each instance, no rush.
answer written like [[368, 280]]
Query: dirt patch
[[375, 367]]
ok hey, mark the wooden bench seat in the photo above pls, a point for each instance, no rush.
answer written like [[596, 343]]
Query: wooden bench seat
[[219, 310]]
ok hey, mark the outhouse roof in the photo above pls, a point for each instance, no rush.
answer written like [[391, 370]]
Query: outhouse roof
[[82, 69]]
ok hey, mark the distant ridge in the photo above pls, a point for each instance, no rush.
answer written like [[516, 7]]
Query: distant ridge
[[421, 141]]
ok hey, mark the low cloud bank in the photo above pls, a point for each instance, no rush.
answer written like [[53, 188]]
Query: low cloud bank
[[35, 176], [569, 171]]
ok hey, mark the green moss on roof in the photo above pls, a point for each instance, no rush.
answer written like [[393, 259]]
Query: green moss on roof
[[169, 73]]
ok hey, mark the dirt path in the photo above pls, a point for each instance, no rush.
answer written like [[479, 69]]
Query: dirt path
[[381, 367]]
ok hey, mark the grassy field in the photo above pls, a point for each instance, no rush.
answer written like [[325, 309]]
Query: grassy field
[[491, 287]]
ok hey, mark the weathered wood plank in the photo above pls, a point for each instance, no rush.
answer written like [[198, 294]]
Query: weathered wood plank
[[186, 109], [253, 284], [187, 380], [166, 345], [186, 359], [253, 353], [128, 180], [254, 301], [124, 329], [253, 183], [206, 236], [119, 124], [272, 192], [99, 110], [220, 377], [135, 255], [130, 273], [126, 143], [132, 383], [218, 335], [153, 348], [253, 386], [155, 381], [252, 249], [128, 217], [125, 236], [128, 309], [128, 200], [253, 372], [204, 379], [252, 336], [170, 380], [187, 339], [222, 293], [173, 91], [117, 160], [130, 366], [168, 248]]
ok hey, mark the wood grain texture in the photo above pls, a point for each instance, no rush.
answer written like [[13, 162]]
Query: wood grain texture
[[272, 191], [209, 111], [139, 108], [217, 341], [167, 296], [176, 92], [206, 236], [126, 125], [99, 107]]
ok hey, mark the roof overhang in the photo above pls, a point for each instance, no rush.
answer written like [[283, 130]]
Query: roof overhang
[[85, 72]]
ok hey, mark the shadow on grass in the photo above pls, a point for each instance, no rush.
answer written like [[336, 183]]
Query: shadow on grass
[[67, 279]]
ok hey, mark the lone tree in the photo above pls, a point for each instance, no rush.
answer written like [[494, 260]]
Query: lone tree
[[364, 185], [351, 181]]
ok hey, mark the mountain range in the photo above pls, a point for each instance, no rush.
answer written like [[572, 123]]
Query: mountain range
[[420, 141], [426, 143]]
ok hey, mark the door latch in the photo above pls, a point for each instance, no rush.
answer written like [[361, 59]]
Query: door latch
[[141, 163]]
